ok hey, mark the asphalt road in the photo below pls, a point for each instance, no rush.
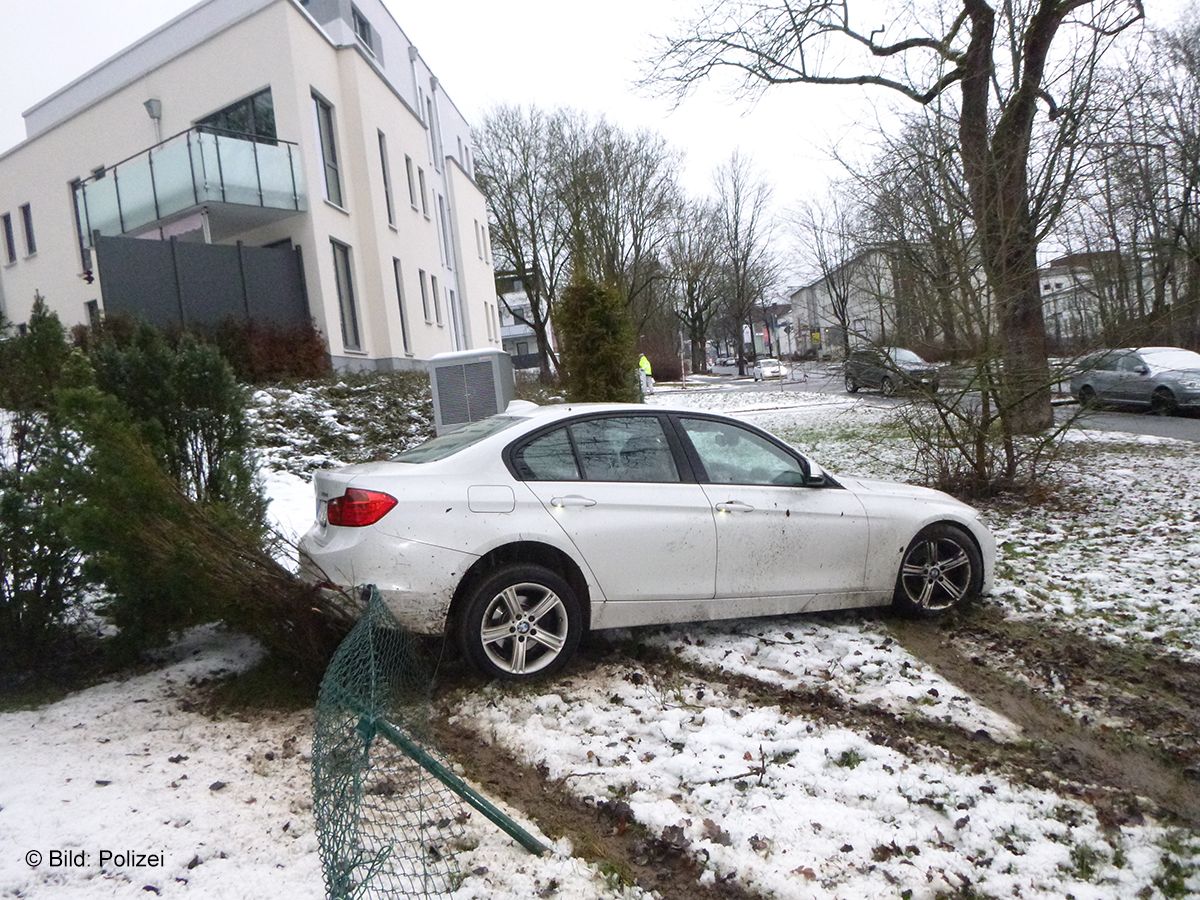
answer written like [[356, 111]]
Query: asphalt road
[[1184, 427]]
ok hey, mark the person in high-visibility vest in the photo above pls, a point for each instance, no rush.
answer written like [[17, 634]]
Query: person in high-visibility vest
[[644, 370]]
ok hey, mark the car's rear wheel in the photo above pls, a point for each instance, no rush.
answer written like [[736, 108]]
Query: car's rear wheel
[[851, 385], [1087, 396], [942, 568], [521, 622], [887, 386], [1162, 402]]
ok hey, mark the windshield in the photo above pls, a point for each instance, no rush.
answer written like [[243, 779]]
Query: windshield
[[900, 355], [1172, 358], [768, 362], [450, 443]]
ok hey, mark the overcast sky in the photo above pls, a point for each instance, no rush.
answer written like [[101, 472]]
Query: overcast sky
[[547, 52]]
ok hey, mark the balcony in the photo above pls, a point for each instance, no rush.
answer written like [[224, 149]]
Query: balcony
[[242, 181]]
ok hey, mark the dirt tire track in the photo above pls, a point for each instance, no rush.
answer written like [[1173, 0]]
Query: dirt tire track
[[1071, 749], [1158, 693], [599, 834], [1060, 756]]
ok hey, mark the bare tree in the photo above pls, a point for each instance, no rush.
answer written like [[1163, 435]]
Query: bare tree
[[999, 58], [745, 231], [517, 169], [1134, 227], [829, 230], [622, 192], [693, 260]]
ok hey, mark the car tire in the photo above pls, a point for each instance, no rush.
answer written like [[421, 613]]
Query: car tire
[[505, 632], [1087, 397], [851, 385], [887, 387], [1163, 402], [941, 569]]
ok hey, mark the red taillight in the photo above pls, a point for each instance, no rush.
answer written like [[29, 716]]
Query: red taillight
[[357, 508]]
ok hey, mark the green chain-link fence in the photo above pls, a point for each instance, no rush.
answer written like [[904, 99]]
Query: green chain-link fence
[[389, 813]]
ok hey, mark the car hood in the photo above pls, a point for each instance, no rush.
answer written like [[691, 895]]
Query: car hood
[[1175, 373], [867, 486]]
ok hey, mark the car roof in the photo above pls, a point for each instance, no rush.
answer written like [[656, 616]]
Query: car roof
[[552, 411]]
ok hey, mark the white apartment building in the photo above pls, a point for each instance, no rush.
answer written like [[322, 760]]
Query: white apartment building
[[273, 160]]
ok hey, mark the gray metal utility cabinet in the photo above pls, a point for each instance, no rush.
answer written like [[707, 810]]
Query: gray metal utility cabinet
[[469, 385]]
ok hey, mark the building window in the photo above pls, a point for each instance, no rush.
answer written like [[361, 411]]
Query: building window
[[329, 160], [362, 30], [478, 240], [27, 221], [437, 299], [412, 184], [445, 232], [487, 248], [424, 192], [387, 178], [92, 307], [434, 144], [10, 242], [424, 294], [345, 288], [403, 312], [253, 117]]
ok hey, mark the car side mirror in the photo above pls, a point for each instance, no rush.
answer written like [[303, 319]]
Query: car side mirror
[[1143, 369]]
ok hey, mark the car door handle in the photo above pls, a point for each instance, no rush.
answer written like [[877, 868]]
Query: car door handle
[[735, 506], [572, 500]]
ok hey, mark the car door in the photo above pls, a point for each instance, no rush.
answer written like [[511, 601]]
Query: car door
[[1105, 376], [776, 534], [1133, 383], [614, 484]]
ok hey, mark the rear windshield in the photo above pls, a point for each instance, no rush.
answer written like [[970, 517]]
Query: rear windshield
[[450, 443]]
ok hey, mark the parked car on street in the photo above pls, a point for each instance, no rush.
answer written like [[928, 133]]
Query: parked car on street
[[767, 367], [518, 533], [725, 365], [889, 369], [1165, 379]]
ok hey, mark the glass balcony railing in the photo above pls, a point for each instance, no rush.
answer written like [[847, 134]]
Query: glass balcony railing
[[196, 167]]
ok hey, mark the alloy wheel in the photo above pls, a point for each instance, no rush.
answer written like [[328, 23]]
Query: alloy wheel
[[524, 628], [936, 573]]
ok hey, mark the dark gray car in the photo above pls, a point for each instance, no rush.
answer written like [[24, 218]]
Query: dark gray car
[[1162, 378], [889, 369]]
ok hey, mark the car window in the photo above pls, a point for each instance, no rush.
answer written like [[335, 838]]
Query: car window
[[900, 355], [547, 458], [624, 448], [452, 441], [1130, 362], [731, 454]]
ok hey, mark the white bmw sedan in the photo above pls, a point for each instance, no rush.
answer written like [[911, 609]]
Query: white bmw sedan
[[520, 532]]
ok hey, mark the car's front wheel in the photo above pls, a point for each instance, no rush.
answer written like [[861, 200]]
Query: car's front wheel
[[520, 622], [887, 386], [942, 568], [1162, 402], [851, 384], [1087, 397]]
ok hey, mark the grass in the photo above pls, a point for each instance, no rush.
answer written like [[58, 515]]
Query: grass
[[271, 685]]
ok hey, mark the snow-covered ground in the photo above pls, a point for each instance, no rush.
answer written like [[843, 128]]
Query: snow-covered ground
[[220, 808], [782, 803], [796, 809]]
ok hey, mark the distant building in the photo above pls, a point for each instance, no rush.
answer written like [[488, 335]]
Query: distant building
[[519, 338], [274, 160], [861, 301]]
